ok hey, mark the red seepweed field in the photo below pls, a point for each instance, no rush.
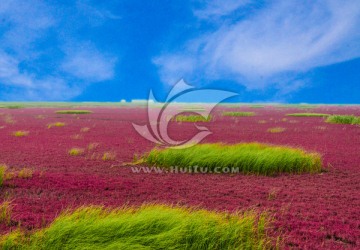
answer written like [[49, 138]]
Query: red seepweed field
[[310, 211]]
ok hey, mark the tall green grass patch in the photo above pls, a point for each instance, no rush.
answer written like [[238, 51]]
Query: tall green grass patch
[[3, 169], [252, 158], [79, 112], [147, 227], [344, 119], [308, 115], [233, 113], [191, 118], [5, 212]]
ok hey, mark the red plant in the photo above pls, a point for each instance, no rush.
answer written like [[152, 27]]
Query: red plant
[[312, 211]]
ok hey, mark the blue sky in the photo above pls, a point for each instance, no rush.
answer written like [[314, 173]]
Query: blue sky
[[266, 51]]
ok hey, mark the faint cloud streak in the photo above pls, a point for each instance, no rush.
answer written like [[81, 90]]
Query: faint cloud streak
[[271, 47]]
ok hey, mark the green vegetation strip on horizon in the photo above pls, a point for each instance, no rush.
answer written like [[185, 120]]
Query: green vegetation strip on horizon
[[147, 227], [308, 115], [79, 112], [298, 106], [256, 106], [234, 113], [11, 106], [344, 119], [63, 104], [252, 158]]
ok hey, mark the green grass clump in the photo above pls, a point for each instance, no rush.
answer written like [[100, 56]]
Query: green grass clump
[[56, 124], [191, 118], [79, 112], [276, 130], [108, 156], [3, 169], [238, 158], [5, 212], [308, 115], [344, 119], [20, 133], [232, 113], [25, 173], [76, 151], [147, 227]]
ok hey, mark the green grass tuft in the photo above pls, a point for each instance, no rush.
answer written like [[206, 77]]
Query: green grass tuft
[[25, 173], [238, 158], [147, 227], [276, 130], [308, 115], [3, 169], [20, 133], [232, 113], [76, 151], [109, 156], [5, 212], [191, 118], [79, 112], [344, 119], [56, 124]]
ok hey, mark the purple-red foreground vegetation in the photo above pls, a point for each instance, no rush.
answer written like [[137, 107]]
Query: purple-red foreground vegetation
[[311, 211]]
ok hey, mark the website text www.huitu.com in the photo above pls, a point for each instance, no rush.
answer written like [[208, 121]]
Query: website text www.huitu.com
[[185, 170]]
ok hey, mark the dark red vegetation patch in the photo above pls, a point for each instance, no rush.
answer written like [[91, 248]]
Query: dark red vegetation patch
[[311, 211]]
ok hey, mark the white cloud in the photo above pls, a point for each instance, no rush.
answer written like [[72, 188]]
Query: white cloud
[[47, 89], [218, 8], [87, 63], [23, 85], [94, 15], [23, 76], [273, 44], [10, 73], [173, 67], [24, 22]]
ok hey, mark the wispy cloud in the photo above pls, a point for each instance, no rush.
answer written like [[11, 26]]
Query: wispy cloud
[[97, 15], [217, 8], [18, 85], [27, 37], [272, 46], [10, 73], [172, 67], [23, 22], [87, 63]]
